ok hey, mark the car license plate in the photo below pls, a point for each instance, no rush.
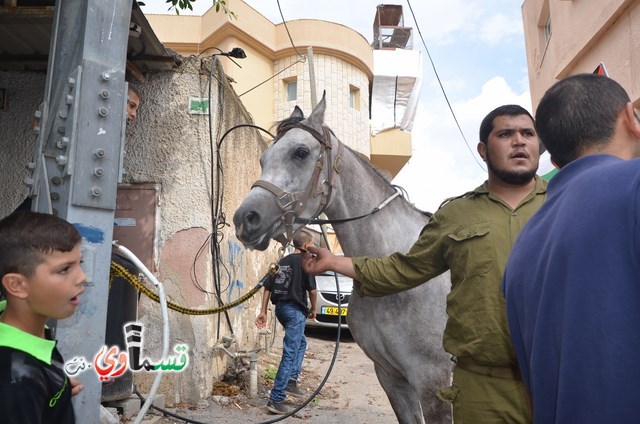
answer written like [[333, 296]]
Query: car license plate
[[332, 310]]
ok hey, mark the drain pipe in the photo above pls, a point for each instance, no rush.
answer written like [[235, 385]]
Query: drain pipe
[[265, 333], [253, 374], [165, 326], [253, 363]]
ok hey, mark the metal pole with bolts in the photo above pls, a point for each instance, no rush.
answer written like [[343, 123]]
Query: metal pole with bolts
[[76, 162]]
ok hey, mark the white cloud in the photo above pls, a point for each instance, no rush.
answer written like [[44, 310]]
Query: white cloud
[[440, 21], [500, 27]]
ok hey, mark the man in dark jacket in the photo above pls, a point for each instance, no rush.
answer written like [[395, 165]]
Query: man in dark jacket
[[572, 282]]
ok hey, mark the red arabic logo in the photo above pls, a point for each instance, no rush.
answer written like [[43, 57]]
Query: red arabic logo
[[111, 363]]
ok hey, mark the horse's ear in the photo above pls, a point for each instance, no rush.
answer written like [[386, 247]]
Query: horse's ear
[[297, 113], [316, 119]]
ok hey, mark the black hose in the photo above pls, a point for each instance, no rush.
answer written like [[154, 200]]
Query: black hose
[[165, 412]]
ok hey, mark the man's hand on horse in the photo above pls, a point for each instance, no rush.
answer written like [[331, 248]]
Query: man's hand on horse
[[314, 259], [317, 260]]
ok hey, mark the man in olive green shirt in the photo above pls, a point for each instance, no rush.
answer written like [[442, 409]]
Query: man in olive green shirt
[[470, 235]]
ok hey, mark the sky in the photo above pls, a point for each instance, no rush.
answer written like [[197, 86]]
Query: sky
[[478, 50]]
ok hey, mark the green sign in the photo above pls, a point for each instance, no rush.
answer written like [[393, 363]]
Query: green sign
[[198, 106]]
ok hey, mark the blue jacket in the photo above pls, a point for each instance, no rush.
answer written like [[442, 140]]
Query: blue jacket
[[572, 289]]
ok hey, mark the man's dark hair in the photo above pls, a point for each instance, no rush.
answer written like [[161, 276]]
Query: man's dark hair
[[507, 110], [301, 237], [26, 236], [577, 113], [135, 90]]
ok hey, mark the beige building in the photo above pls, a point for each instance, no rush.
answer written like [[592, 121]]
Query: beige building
[[277, 72], [565, 37]]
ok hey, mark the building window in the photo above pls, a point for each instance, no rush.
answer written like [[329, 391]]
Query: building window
[[354, 97], [291, 88], [547, 29]]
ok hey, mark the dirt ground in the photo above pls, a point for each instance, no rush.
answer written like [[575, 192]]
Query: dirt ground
[[351, 394]]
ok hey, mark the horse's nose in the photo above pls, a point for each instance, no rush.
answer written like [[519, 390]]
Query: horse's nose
[[252, 219], [246, 221]]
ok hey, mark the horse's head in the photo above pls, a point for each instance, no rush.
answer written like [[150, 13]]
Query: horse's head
[[298, 175]]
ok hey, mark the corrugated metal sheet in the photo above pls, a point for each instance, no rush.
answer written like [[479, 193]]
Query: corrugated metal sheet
[[25, 36]]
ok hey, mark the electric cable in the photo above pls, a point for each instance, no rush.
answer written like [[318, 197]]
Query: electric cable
[[271, 77], [122, 272], [284, 22], [165, 412], [119, 271], [335, 350], [444, 93], [217, 216], [301, 58], [218, 219], [192, 270], [217, 192]]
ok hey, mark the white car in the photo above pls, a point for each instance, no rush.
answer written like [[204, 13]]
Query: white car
[[327, 300]]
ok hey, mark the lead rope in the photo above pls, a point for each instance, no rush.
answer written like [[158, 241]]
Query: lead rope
[[118, 270]]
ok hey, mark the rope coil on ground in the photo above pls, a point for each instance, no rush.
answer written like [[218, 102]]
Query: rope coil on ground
[[120, 271]]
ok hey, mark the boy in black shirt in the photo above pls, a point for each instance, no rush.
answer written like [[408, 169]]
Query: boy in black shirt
[[40, 278], [288, 291]]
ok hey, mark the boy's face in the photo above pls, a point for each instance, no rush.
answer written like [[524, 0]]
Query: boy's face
[[56, 285]]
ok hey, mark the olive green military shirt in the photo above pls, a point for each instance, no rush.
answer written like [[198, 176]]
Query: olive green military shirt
[[471, 236]]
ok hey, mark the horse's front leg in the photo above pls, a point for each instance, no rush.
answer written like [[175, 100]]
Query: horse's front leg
[[403, 399]]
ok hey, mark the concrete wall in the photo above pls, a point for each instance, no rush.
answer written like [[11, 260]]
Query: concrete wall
[[583, 34], [167, 145], [170, 147], [24, 92]]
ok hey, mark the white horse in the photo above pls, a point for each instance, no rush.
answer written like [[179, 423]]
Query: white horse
[[307, 171]]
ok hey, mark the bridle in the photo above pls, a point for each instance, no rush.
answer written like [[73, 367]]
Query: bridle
[[293, 204]]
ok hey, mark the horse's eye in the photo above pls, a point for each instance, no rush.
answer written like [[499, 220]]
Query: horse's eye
[[301, 153]]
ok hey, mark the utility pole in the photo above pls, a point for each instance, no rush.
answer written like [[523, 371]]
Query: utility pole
[[76, 163], [312, 77]]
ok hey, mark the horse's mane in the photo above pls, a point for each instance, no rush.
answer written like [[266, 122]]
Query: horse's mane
[[367, 163], [285, 124], [385, 177]]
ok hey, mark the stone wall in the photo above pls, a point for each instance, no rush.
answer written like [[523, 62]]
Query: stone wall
[[169, 146]]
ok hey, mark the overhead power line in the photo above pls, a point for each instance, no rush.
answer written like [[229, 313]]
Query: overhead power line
[[444, 93]]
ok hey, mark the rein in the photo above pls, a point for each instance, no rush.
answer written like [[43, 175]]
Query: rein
[[355, 218]]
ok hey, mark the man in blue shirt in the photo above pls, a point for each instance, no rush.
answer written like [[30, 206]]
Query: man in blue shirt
[[572, 281]]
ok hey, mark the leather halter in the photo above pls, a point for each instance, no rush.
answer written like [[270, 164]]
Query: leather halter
[[293, 204]]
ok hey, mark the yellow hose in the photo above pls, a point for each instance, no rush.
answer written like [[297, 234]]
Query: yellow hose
[[119, 271]]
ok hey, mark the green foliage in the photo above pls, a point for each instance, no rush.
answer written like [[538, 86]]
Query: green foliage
[[179, 5], [270, 373]]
